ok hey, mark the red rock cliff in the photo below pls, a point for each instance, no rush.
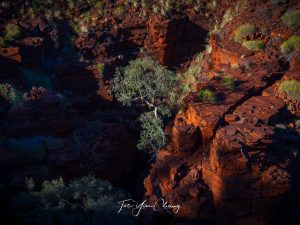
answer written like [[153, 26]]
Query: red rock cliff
[[229, 155]]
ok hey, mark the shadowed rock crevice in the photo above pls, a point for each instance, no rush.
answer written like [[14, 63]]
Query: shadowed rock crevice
[[176, 40]]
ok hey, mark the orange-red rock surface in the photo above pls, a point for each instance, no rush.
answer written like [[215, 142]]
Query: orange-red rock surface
[[233, 147]]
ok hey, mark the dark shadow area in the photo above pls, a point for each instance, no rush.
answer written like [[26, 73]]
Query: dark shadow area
[[10, 70], [184, 39], [46, 60], [285, 209]]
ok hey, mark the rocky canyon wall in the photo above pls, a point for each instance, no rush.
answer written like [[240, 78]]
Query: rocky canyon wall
[[230, 156]]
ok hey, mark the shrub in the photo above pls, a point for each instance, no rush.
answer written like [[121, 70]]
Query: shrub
[[12, 32], [189, 77], [199, 57], [176, 97], [165, 8], [297, 123], [2, 42], [207, 95], [291, 19], [255, 45], [91, 2], [156, 9], [291, 88], [178, 6], [144, 4], [119, 11], [243, 31], [234, 66], [71, 4], [10, 94], [76, 29], [228, 16], [212, 5], [187, 81], [100, 68], [152, 136], [228, 82], [134, 3], [83, 201], [100, 6], [32, 12], [291, 44]]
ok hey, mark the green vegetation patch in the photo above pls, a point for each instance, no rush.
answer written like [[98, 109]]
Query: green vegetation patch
[[12, 32], [255, 45], [228, 82], [86, 200], [100, 68], [207, 95], [2, 42], [291, 88], [152, 136], [119, 11], [10, 94], [199, 57], [143, 81], [189, 77], [291, 44], [243, 31], [291, 19]]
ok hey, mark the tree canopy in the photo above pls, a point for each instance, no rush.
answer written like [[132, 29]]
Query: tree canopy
[[145, 82]]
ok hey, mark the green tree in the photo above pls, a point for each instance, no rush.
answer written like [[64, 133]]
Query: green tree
[[152, 136], [145, 82]]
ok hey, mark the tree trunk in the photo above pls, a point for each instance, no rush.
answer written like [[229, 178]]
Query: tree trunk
[[155, 112]]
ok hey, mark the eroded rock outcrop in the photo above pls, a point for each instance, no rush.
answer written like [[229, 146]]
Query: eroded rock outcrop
[[180, 36], [245, 171], [239, 153], [11, 53]]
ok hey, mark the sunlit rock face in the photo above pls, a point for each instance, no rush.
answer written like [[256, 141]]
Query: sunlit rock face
[[241, 155]]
